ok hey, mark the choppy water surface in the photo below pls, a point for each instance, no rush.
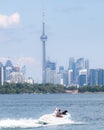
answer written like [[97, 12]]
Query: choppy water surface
[[21, 112]]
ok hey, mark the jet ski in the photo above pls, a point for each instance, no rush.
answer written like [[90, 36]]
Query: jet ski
[[52, 119]]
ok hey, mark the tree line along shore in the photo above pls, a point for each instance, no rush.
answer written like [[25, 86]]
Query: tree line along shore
[[20, 88]]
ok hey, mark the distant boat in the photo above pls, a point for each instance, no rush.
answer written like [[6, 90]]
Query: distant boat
[[72, 91]]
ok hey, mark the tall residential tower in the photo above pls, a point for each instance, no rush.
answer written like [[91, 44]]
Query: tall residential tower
[[43, 39]]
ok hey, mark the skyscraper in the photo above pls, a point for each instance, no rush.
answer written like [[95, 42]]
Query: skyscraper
[[82, 79], [1, 76], [51, 65], [43, 39], [79, 66], [93, 77], [71, 63], [101, 77], [72, 67]]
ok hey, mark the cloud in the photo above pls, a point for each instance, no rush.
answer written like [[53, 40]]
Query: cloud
[[8, 21], [28, 61]]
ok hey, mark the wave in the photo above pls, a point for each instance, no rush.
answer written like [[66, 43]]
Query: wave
[[30, 123]]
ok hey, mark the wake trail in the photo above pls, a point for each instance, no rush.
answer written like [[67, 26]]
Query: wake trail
[[30, 123], [19, 123]]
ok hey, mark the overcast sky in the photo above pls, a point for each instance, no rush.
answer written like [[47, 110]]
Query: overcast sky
[[75, 28]]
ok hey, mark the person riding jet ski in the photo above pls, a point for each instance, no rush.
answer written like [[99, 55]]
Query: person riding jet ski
[[58, 112]]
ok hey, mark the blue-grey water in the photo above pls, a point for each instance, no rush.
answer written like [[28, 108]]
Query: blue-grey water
[[19, 112]]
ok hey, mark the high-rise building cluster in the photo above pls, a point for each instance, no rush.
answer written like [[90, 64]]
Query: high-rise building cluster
[[78, 73], [11, 74]]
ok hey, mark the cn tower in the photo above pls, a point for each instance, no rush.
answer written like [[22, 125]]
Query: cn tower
[[43, 39]]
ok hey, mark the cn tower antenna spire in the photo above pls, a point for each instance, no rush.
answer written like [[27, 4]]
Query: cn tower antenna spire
[[43, 22], [43, 15], [43, 39]]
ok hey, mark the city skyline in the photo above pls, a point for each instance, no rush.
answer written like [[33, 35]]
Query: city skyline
[[75, 29]]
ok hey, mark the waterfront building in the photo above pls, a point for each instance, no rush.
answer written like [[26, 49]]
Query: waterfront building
[[71, 63], [65, 77], [93, 77], [61, 69], [4, 68], [51, 65], [12, 73], [17, 77], [30, 80], [87, 67], [8, 70], [1, 76], [87, 64], [72, 66], [82, 77], [70, 77], [50, 76], [61, 72], [100, 77], [78, 66], [7, 74], [58, 79], [1, 64], [96, 77]]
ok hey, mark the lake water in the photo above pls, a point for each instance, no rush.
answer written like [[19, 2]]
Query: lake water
[[20, 112]]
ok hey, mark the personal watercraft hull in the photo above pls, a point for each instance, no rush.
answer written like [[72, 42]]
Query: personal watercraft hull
[[51, 119]]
